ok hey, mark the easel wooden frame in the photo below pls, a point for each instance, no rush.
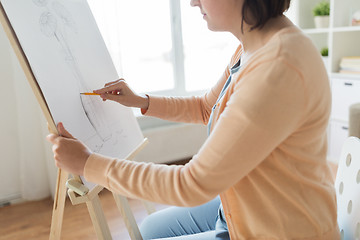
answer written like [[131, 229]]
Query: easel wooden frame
[[94, 207], [91, 199]]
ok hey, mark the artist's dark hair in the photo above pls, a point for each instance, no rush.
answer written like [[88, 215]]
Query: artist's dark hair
[[261, 11]]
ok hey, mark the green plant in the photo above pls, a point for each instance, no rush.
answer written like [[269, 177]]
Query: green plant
[[322, 9], [324, 52]]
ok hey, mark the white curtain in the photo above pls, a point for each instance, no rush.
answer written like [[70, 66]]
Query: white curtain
[[37, 178]]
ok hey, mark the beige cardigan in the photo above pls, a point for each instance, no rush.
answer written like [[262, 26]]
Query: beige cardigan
[[265, 156]]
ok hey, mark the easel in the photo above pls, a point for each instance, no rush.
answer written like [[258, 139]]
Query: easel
[[90, 198], [78, 194]]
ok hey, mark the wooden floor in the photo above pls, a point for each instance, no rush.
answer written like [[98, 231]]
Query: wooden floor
[[32, 220]]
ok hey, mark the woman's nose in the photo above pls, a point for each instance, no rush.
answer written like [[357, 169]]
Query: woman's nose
[[194, 3]]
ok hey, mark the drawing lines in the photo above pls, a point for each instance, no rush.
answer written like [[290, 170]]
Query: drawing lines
[[57, 22]]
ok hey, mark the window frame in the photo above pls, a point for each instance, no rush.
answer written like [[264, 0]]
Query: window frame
[[177, 59]]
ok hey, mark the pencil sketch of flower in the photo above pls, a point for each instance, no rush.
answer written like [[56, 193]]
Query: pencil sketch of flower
[[41, 3], [64, 15], [48, 24], [57, 25]]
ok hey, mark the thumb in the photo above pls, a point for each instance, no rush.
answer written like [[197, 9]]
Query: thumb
[[63, 132]]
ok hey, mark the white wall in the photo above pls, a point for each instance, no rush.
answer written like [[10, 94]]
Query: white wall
[[170, 143], [26, 167], [292, 12], [9, 160]]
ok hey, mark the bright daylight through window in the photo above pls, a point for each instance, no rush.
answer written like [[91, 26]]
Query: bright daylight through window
[[146, 50]]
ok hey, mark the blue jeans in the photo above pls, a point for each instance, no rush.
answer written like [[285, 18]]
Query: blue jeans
[[180, 223]]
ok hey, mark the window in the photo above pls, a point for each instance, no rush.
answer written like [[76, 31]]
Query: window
[[163, 46], [206, 53]]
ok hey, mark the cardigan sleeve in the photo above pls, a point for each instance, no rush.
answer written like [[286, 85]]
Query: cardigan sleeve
[[190, 109], [195, 109], [266, 107]]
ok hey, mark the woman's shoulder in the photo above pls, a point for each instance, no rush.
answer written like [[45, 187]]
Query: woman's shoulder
[[286, 43], [294, 49]]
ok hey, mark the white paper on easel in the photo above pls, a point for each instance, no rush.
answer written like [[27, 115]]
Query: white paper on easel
[[67, 55]]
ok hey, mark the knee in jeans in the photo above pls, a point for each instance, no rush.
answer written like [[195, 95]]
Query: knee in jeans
[[148, 226]]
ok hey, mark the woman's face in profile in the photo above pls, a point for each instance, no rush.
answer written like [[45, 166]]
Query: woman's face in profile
[[220, 15]]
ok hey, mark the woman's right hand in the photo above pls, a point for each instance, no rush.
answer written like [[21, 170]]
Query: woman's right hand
[[120, 92]]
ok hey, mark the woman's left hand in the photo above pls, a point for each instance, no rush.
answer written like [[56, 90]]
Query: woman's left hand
[[70, 154]]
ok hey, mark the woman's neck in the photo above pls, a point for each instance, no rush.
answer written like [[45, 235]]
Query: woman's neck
[[257, 38]]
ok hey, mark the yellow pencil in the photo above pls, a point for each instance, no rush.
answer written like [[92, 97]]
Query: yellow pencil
[[89, 93]]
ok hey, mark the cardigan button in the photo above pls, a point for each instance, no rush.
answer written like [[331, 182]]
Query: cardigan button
[[228, 215]]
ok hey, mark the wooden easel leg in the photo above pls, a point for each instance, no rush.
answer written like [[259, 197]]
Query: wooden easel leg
[[149, 206], [129, 219], [98, 219], [59, 205], [94, 207]]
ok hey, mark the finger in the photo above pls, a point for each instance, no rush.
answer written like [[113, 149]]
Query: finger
[[114, 87], [54, 149], [115, 93], [63, 132], [52, 138], [101, 90], [113, 82], [57, 163]]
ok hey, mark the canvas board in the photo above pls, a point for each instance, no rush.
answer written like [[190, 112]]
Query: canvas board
[[67, 55]]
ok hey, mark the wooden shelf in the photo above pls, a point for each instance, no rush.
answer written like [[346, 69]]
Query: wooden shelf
[[342, 75], [342, 40], [316, 30], [347, 29]]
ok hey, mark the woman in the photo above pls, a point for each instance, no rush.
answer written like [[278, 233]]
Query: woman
[[266, 151]]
